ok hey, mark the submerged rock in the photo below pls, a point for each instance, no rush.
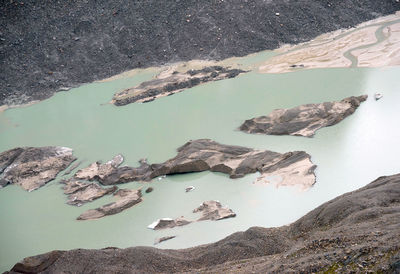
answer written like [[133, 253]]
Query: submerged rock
[[173, 83], [213, 210], [204, 154], [163, 239], [168, 223], [33, 167], [189, 188], [81, 192], [303, 120], [126, 199], [149, 189]]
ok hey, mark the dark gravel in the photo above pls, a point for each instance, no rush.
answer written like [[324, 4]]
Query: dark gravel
[[46, 45]]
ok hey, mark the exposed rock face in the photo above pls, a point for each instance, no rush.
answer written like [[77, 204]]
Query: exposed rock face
[[174, 83], [356, 232], [81, 192], [213, 210], [98, 171], [204, 154], [168, 223], [303, 120], [126, 199], [33, 167]]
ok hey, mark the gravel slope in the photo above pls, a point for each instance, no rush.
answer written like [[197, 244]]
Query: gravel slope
[[46, 45], [358, 231]]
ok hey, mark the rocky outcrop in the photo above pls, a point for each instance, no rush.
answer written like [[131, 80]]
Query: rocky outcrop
[[168, 223], [82, 192], [171, 84], [292, 168], [356, 232], [97, 171], [126, 199], [213, 210], [33, 167], [303, 120]]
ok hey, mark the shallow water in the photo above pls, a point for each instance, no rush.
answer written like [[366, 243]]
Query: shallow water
[[349, 155]]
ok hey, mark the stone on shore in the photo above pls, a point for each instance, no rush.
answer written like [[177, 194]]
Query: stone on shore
[[33, 167], [80, 193], [303, 120], [173, 83], [126, 199]]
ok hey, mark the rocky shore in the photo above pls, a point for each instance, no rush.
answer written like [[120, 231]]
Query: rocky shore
[[171, 84], [303, 120], [356, 232], [70, 43]]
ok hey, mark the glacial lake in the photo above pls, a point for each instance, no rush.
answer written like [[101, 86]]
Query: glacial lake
[[349, 155]]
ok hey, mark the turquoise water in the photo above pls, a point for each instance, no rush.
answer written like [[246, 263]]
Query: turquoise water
[[349, 155]]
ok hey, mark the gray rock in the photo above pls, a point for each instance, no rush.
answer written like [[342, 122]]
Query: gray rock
[[168, 223], [303, 120], [291, 168], [82, 192], [175, 82], [97, 171], [33, 167], [126, 198], [213, 210]]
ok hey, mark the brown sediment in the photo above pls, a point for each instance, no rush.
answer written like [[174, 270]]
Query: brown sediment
[[328, 50], [386, 53]]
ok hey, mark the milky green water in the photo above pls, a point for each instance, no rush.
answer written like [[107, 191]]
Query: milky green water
[[349, 155]]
